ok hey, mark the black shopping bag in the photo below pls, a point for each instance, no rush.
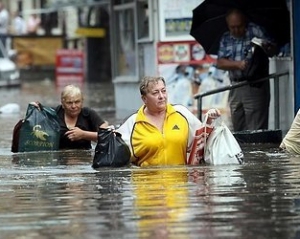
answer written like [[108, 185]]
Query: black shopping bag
[[111, 150], [16, 136], [40, 130], [258, 66]]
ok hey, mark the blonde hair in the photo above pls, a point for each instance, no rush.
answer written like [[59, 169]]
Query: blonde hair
[[70, 91], [147, 80]]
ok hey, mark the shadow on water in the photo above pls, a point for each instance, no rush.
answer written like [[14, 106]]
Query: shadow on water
[[59, 195]]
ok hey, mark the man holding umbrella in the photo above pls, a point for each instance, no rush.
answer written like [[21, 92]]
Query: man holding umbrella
[[249, 104]]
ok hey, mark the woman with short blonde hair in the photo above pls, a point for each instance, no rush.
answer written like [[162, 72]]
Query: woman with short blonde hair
[[78, 124]]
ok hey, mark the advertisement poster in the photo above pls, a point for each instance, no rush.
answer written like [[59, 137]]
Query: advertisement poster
[[69, 68], [188, 70], [176, 19]]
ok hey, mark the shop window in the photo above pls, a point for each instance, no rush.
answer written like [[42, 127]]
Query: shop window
[[143, 19], [82, 16], [49, 20], [117, 2], [125, 35]]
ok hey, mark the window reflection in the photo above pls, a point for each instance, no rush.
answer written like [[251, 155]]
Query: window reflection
[[143, 18], [122, 1], [126, 42]]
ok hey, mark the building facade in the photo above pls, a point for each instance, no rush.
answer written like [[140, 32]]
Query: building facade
[[149, 37]]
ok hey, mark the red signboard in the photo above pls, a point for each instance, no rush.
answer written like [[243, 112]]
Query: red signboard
[[69, 67]]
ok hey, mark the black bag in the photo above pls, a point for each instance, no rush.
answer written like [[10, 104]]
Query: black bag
[[16, 136], [258, 66], [40, 130], [111, 150]]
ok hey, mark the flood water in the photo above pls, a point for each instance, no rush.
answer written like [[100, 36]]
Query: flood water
[[49, 195]]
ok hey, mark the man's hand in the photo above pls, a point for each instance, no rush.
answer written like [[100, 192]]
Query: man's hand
[[241, 65]]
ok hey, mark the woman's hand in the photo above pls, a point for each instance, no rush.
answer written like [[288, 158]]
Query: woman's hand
[[75, 134], [36, 104], [104, 125], [213, 113]]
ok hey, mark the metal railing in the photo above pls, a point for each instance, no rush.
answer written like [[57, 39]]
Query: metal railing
[[274, 76]]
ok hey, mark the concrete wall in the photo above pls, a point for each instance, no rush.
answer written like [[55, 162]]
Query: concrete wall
[[127, 96], [286, 94]]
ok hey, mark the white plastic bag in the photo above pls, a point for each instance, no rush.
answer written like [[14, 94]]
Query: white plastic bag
[[222, 147]]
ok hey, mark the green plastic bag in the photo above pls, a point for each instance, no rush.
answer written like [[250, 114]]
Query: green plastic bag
[[40, 130]]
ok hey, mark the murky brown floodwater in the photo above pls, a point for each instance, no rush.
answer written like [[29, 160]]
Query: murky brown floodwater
[[58, 195]]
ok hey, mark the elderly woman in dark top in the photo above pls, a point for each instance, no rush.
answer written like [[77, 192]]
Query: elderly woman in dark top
[[78, 125]]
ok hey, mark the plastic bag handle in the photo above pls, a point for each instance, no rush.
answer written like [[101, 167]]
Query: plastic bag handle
[[216, 122]]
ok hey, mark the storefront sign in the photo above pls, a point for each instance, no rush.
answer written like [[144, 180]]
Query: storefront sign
[[190, 52], [69, 67]]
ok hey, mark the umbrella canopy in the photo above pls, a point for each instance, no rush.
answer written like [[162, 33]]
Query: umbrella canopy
[[208, 23]]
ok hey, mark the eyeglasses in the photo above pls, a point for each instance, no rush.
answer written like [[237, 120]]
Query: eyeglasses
[[70, 103]]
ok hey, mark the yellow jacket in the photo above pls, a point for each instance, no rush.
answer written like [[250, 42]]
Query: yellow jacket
[[291, 141], [151, 147]]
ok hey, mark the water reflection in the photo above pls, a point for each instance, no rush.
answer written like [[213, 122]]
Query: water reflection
[[55, 194], [161, 202], [52, 158]]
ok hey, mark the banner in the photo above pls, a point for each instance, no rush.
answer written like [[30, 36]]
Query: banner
[[36, 51]]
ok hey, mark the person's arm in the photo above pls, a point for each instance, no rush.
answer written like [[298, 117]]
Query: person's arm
[[227, 65], [225, 53], [76, 134], [125, 129], [95, 122]]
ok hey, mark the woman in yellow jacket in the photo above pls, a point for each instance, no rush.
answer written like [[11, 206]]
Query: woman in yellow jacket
[[160, 133], [291, 141]]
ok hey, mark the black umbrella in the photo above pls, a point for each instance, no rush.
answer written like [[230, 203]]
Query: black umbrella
[[208, 23]]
